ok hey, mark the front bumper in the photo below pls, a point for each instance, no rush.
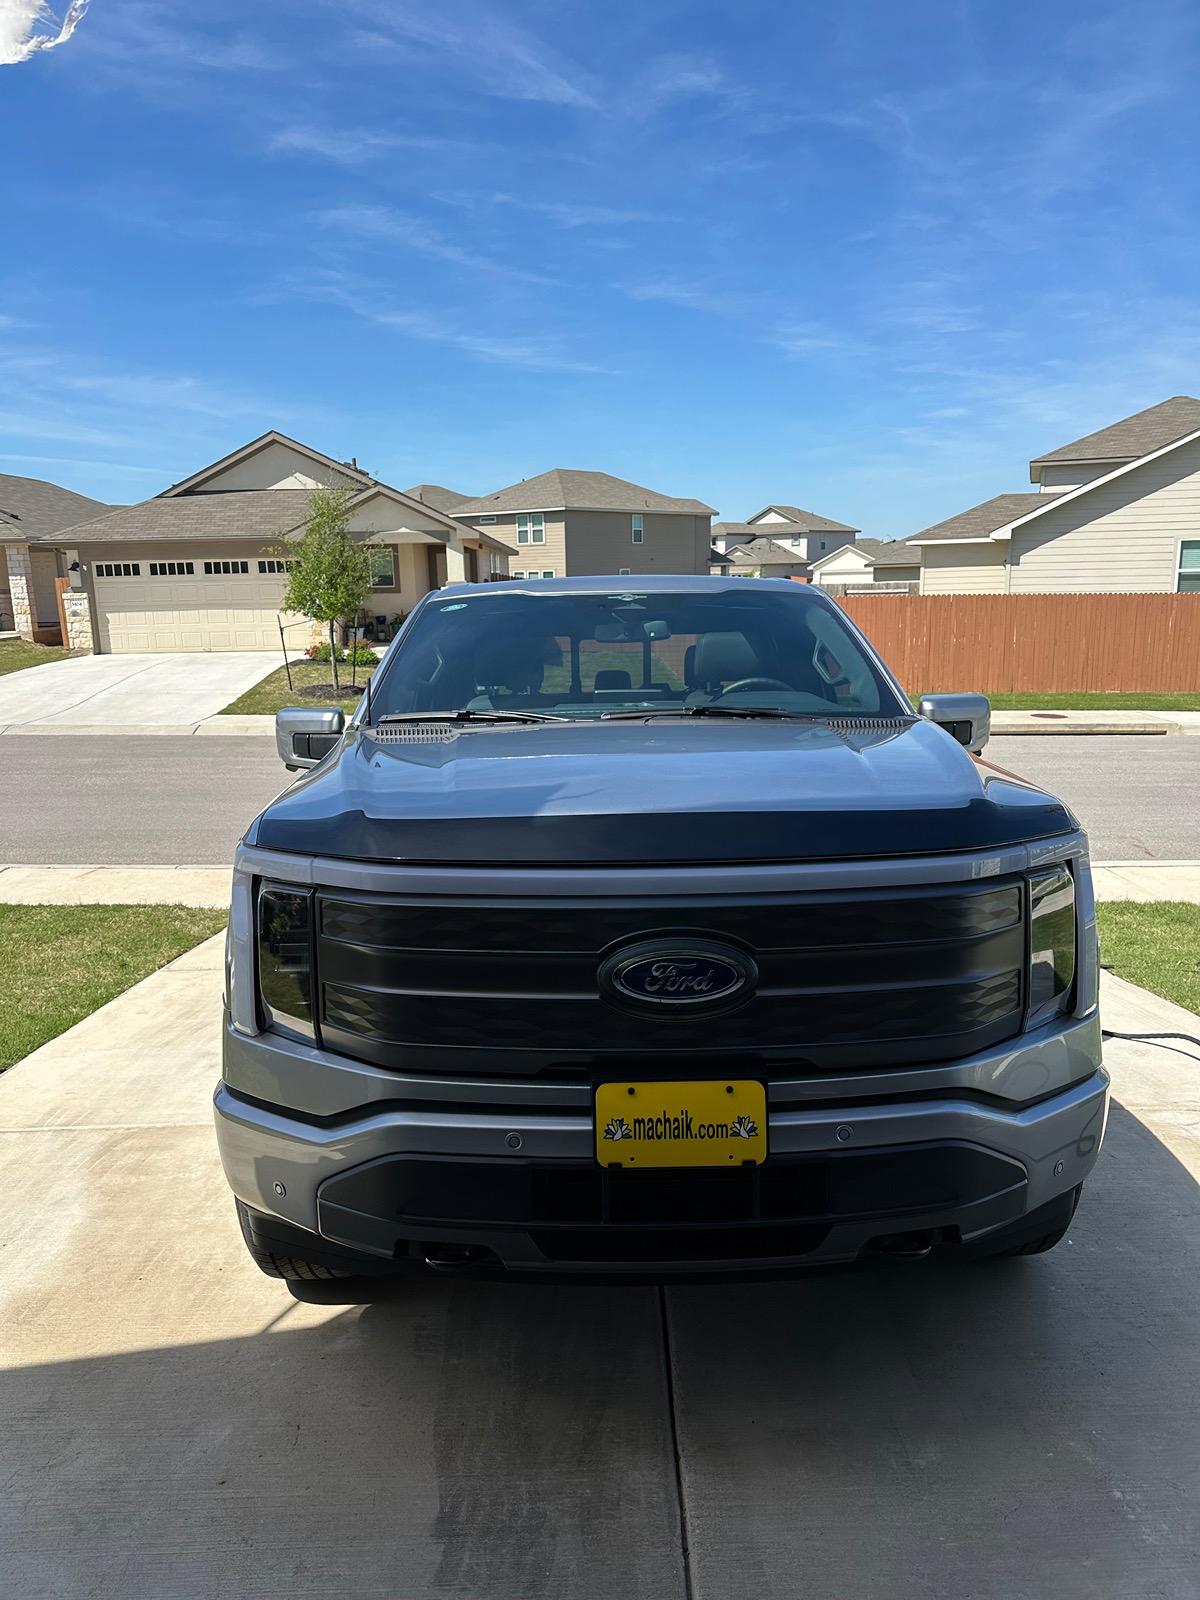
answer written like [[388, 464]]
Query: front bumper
[[518, 1188]]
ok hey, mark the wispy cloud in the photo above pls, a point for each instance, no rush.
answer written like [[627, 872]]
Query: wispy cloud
[[693, 297], [382, 223], [494, 53], [677, 77], [352, 146], [27, 26], [530, 354], [566, 213]]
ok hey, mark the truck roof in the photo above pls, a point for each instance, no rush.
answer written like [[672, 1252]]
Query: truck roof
[[609, 583]]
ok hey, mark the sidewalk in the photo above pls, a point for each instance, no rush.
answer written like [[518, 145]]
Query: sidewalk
[[1082, 722]]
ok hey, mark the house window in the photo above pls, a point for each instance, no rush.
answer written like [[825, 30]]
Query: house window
[[548, 574], [1189, 567], [383, 566], [225, 569], [118, 569], [531, 528], [635, 523], [623, 572], [271, 565], [172, 569]]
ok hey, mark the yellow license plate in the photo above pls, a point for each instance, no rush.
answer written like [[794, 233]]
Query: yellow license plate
[[687, 1124]]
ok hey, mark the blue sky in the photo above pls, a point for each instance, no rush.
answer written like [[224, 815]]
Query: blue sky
[[866, 258]]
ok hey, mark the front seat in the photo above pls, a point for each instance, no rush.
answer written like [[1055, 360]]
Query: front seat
[[612, 678], [723, 658]]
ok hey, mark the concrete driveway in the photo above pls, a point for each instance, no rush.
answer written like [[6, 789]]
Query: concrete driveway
[[176, 1425], [110, 693]]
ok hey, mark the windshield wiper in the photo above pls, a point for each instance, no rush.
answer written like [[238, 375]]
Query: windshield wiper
[[466, 715], [717, 711]]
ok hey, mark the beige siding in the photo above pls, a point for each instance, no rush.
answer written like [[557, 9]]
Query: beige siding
[[548, 557], [963, 568], [1121, 537], [770, 516], [274, 467], [602, 542]]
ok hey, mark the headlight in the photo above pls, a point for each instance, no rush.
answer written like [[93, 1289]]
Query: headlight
[[1051, 944], [285, 959]]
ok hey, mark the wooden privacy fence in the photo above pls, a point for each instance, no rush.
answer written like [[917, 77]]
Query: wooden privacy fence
[[1051, 643]]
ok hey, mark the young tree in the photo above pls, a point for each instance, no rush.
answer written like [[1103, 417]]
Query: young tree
[[331, 574]]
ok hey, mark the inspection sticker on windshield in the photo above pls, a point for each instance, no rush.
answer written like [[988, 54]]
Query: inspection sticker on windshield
[[717, 1123]]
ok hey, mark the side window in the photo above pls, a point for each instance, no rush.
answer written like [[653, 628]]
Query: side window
[[531, 527], [635, 523], [383, 566], [1188, 579]]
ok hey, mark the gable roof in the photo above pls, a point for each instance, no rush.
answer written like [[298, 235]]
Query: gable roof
[[31, 507], [1133, 436], [765, 553], [435, 495], [878, 553], [981, 521], [805, 521], [244, 453], [238, 514], [564, 489]]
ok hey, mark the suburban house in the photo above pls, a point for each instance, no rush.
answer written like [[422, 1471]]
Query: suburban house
[[1115, 511], [566, 524], [202, 566], [882, 564], [32, 510], [807, 535], [763, 558]]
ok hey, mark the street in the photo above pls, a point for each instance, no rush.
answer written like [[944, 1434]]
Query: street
[[1138, 798], [186, 801], [149, 798]]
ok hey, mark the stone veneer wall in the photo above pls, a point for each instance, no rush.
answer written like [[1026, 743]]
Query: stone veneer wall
[[20, 584], [78, 612]]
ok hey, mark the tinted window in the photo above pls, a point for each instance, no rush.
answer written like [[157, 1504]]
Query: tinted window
[[581, 655]]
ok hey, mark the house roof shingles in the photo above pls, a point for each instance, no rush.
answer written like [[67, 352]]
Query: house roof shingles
[[981, 521], [437, 496], [888, 552], [765, 553], [1133, 436], [564, 489], [237, 514], [31, 507], [806, 521]]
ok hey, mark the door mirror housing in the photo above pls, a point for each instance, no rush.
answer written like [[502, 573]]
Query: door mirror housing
[[305, 735], [965, 717]]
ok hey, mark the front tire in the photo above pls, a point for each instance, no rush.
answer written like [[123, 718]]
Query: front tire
[[275, 1265], [1034, 1234]]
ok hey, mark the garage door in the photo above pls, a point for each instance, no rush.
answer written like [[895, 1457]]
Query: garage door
[[217, 604]]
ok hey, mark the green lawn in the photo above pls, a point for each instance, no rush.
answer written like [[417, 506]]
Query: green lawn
[[1130, 700], [313, 686], [1156, 946], [59, 963], [17, 654]]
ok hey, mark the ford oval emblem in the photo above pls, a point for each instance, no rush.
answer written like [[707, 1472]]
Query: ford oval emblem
[[678, 975]]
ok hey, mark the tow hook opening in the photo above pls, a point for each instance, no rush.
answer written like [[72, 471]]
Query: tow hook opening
[[904, 1246], [446, 1256]]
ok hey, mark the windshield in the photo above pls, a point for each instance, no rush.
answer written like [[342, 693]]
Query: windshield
[[590, 655]]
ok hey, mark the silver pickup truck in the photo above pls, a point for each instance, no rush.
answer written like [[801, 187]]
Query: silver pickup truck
[[636, 928]]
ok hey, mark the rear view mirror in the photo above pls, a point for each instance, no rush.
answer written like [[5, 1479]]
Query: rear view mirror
[[965, 717], [305, 735]]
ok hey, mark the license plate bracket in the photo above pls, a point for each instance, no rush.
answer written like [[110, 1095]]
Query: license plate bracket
[[720, 1122]]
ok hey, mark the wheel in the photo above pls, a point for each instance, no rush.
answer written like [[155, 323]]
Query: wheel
[[1034, 1234], [276, 1265]]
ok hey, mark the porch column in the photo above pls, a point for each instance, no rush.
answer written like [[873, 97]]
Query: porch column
[[20, 586]]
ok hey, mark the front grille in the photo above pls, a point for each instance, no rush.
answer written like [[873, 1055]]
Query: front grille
[[509, 985]]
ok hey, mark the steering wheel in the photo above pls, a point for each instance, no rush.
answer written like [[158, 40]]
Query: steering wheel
[[752, 683]]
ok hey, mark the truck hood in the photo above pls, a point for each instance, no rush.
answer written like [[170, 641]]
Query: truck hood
[[629, 792]]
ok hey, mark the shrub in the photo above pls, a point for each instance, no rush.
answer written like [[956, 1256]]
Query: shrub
[[363, 655]]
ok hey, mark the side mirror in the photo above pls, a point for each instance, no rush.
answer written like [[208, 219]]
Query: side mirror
[[304, 736], [965, 717]]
